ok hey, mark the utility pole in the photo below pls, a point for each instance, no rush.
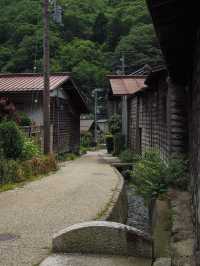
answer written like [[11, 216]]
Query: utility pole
[[124, 108], [46, 96], [95, 116], [95, 95], [123, 64]]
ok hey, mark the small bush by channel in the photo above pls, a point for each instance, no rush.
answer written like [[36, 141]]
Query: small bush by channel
[[152, 176]]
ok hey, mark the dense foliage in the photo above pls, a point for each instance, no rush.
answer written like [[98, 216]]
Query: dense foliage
[[11, 140], [23, 119], [126, 156], [20, 157], [152, 176], [115, 124], [89, 43], [12, 171]]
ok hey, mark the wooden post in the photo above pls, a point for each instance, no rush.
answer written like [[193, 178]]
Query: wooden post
[[46, 96]]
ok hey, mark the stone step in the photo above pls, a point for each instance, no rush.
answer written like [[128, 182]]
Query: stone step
[[93, 260], [102, 237]]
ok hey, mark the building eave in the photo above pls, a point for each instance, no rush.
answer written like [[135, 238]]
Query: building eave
[[175, 23]]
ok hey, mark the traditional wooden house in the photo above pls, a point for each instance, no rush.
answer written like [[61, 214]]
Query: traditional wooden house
[[87, 125], [66, 105], [180, 43], [122, 87], [149, 117]]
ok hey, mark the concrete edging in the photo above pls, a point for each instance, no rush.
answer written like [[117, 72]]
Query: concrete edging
[[117, 210], [101, 237]]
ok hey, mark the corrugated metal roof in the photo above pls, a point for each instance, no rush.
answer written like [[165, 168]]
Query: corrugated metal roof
[[29, 82], [126, 85]]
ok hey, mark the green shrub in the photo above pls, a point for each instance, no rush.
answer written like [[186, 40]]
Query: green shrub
[[24, 119], [30, 149], [12, 171], [176, 175], [126, 156], [39, 166], [11, 140], [152, 176], [149, 175], [86, 139], [83, 150], [109, 143], [9, 171], [67, 157], [115, 124]]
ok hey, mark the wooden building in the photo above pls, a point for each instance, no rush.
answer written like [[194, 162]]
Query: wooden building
[[153, 121], [121, 88], [177, 26], [66, 105]]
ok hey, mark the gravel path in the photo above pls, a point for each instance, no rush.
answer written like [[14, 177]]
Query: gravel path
[[32, 214]]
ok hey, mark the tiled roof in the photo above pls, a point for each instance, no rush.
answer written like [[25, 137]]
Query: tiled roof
[[29, 82], [126, 85]]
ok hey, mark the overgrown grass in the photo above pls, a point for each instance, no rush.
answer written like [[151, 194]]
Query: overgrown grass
[[67, 157], [11, 186], [17, 174]]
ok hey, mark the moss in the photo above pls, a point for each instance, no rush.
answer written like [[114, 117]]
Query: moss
[[104, 211]]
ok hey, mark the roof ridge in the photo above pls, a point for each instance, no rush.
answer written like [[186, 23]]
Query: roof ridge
[[127, 76], [7, 75]]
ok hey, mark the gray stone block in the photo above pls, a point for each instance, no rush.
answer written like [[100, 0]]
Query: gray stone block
[[93, 260], [163, 262], [100, 237]]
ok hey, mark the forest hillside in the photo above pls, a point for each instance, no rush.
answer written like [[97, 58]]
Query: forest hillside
[[93, 36]]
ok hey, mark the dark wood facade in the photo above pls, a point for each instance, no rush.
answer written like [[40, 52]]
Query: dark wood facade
[[66, 126], [156, 118], [180, 41]]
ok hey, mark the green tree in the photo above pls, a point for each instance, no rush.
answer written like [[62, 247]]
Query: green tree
[[116, 29], [92, 30], [100, 28]]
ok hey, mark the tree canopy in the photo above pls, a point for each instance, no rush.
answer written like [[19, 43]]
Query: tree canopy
[[89, 43]]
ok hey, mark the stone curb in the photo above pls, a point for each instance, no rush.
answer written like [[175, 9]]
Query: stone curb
[[101, 237], [118, 207]]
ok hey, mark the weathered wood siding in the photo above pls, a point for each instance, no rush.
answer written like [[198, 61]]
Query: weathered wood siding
[[194, 144], [148, 121], [66, 126], [133, 120], [157, 119]]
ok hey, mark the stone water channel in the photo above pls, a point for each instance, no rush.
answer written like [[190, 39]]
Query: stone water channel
[[138, 212], [140, 217]]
